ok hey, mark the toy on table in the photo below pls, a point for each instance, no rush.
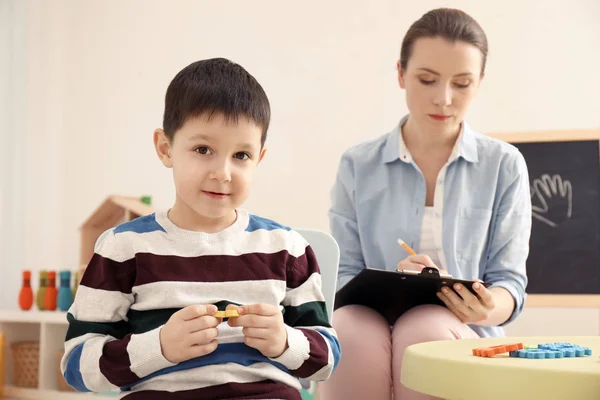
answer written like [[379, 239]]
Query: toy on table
[[51, 292], [41, 292], [494, 350], [26, 294], [541, 351], [226, 314], [553, 350], [65, 295]]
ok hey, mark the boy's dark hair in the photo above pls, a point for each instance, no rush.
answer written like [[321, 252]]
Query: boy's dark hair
[[450, 24], [215, 86]]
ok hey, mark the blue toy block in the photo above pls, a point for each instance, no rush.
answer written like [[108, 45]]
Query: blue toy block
[[552, 350], [569, 352]]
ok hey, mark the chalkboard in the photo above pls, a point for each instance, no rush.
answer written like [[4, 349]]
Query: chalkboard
[[564, 175]]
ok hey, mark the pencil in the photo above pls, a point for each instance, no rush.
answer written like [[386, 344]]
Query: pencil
[[406, 247]]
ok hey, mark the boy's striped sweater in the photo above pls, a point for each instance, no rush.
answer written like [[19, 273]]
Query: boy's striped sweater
[[145, 270]]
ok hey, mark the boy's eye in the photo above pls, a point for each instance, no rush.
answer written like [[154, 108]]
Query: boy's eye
[[202, 150], [242, 156]]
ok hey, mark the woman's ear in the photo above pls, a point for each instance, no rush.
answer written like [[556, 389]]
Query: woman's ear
[[401, 75], [162, 145]]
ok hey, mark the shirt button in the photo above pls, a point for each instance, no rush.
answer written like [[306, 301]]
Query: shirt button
[[437, 214], [440, 181]]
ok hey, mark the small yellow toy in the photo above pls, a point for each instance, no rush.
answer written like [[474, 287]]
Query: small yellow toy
[[226, 314]]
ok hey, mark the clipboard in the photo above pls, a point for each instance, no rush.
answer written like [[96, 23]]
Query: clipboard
[[393, 293]]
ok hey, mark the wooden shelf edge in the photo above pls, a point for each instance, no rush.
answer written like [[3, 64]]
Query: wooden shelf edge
[[34, 316], [563, 300], [40, 394]]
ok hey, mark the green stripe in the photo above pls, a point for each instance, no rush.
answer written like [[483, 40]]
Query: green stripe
[[307, 314], [79, 328], [144, 321]]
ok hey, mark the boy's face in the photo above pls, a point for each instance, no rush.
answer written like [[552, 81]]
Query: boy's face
[[213, 164]]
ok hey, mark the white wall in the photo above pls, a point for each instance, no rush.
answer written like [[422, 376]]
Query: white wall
[[13, 135], [5, 110], [97, 72]]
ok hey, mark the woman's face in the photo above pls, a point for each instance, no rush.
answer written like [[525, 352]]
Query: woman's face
[[441, 79]]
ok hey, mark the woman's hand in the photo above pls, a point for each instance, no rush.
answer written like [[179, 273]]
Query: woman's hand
[[417, 263], [469, 308]]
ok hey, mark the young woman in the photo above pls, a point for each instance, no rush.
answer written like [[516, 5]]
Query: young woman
[[459, 198]]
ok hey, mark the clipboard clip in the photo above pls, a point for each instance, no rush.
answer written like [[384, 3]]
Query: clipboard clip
[[427, 272], [430, 272]]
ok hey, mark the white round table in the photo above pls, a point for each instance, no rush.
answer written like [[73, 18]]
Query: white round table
[[448, 369]]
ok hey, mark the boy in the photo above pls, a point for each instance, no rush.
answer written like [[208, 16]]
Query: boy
[[145, 316]]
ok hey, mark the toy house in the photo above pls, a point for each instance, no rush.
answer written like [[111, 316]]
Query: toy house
[[113, 211]]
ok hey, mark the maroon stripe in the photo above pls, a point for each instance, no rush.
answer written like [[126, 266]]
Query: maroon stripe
[[104, 273], [303, 267], [318, 354], [217, 268], [229, 391], [115, 363]]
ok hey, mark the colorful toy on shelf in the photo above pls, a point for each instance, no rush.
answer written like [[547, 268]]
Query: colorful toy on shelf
[[26, 294], [113, 211], [76, 280], [146, 200], [2, 363], [65, 295], [41, 292], [51, 292]]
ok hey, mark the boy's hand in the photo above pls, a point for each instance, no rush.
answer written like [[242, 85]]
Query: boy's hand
[[264, 328], [191, 332]]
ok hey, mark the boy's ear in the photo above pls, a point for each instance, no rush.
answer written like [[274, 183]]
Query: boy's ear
[[262, 154], [163, 147]]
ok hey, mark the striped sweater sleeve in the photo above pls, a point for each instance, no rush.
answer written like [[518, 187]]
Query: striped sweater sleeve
[[100, 353], [314, 350]]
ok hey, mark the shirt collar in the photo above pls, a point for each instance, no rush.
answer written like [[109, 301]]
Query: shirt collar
[[465, 146]]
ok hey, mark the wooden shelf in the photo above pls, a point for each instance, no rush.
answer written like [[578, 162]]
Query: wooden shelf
[[34, 316], [49, 328], [37, 394]]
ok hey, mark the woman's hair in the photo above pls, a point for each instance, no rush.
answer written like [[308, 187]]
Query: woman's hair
[[451, 24]]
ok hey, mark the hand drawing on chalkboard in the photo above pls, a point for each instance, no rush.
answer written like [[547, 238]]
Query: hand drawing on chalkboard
[[555, 198]]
